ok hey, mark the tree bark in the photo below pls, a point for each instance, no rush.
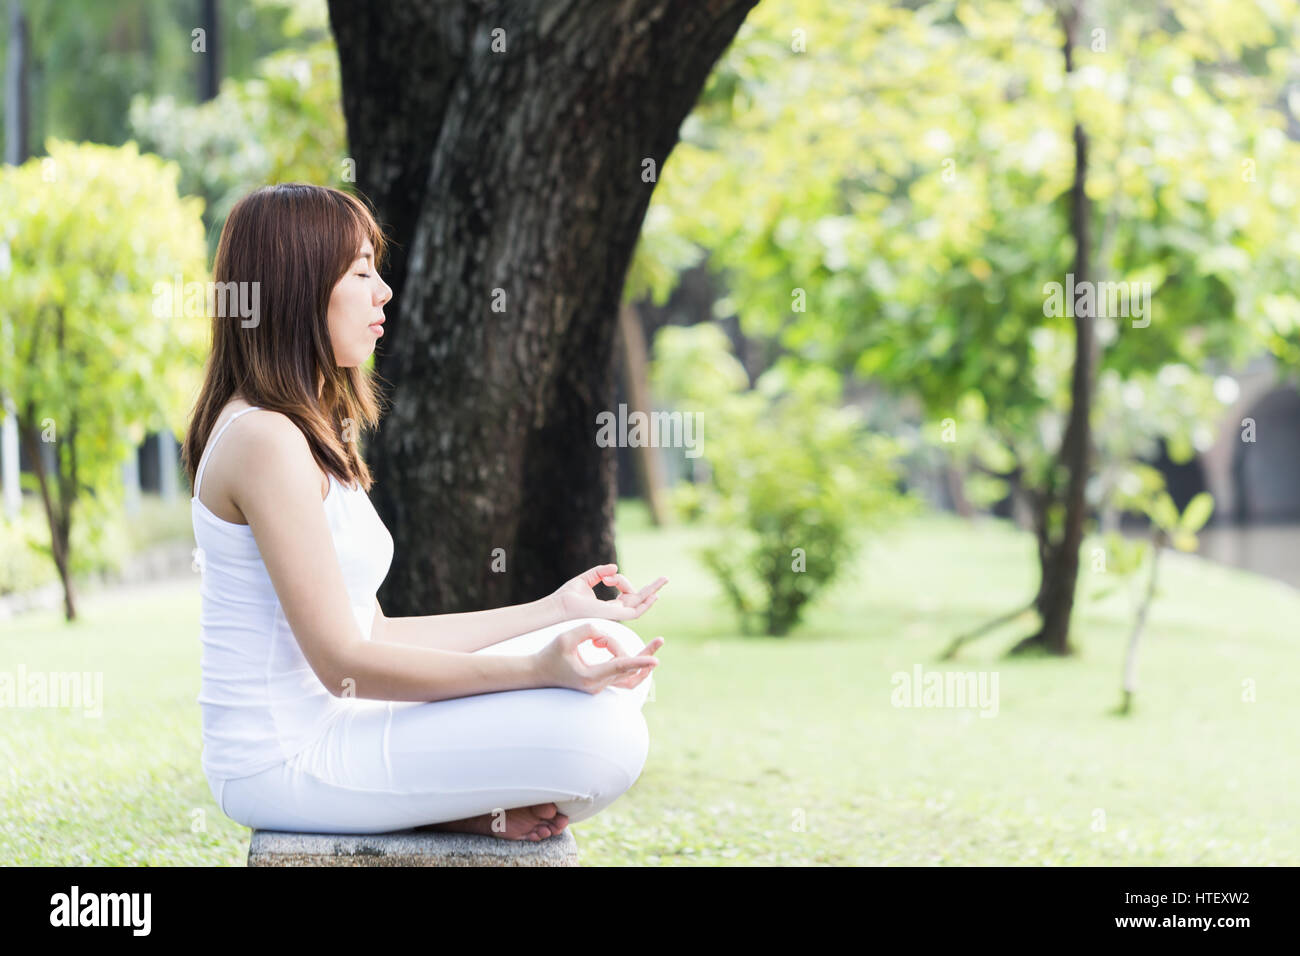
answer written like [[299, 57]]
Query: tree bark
[[503, 145], [955, 480], [17, 104], [649, 466], [58, 511], [1059, 554], [16, 123], [210, 62]]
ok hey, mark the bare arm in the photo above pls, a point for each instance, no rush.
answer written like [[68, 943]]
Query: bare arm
[[467, 631], [279, 495], [472, 630]]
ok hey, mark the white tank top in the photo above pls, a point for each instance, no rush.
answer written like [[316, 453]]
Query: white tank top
[[261, 701]]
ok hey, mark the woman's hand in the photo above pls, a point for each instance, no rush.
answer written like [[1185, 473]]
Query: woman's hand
[[575, 598], [559, 664]]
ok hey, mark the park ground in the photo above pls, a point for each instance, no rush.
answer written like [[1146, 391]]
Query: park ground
[[777, 751]]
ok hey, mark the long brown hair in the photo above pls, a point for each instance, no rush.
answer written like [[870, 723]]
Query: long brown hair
[[295, 240]]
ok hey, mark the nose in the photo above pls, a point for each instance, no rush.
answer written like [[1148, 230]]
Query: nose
[[386, 294]]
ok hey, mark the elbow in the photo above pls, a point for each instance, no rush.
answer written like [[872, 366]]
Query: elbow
[[342, 674]]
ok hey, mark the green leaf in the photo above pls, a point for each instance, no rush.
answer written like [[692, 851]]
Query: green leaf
[[1197, 512], [1163, 512]]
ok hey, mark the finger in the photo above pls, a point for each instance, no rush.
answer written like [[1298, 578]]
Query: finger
[[640, 608], [652, 587], [621, 667], [613, 646], [640, 599], [647, 650], [607, 643], [575, 636], [592, 577], [620, 582], [651, 649], [636, 678]]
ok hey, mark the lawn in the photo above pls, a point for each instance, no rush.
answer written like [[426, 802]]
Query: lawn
[[777, 751]]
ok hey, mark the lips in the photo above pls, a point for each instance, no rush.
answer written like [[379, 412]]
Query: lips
[[377, 327]]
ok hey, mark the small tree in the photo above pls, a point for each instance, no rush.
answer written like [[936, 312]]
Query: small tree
[[95, 348], [1144, 491], [794, 476]]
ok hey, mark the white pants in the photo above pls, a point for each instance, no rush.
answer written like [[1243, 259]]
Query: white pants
[[390, 765]]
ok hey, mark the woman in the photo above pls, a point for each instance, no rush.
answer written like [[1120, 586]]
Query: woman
[[320, 713]]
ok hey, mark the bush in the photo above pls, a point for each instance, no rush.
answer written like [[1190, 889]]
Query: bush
[[25, 557], [794, 477]]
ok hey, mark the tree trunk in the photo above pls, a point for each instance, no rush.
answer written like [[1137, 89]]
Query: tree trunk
[[57, 512], [16, 124], [955, 481], [1131, 657], [210, 62], [1059, 558], [1022, 512], [511, 151], [649, 466], [16, 93]]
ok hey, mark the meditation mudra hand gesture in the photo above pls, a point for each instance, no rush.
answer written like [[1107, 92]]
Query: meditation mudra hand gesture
[[575, 599]]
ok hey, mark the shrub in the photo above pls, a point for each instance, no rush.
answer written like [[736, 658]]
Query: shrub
[[794, 477]]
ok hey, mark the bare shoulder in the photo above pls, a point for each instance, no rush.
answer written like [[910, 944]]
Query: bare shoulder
[[269, 431], [268, 444], [261, 456]]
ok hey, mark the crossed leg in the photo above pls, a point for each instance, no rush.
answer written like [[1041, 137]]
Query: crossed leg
[[495, 763]]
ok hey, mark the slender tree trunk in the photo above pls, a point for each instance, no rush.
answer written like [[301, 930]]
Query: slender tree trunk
[[15, 154], [57, 513], [955, 481], [511, 149], [649, 466], [1022, 512], [17, 104], [1131, 657], [1059, 554], [210, 62]]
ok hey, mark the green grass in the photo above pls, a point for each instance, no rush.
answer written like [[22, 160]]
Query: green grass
[[752, 736]]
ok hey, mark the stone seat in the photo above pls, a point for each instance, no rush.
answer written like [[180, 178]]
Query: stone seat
[[412, 847]]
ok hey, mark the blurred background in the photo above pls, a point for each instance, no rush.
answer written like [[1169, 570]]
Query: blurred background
[[856, 274]]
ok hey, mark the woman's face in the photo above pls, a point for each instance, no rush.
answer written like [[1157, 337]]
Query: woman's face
[[356, 311]]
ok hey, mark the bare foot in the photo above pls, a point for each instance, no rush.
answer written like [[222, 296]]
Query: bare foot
[[521, 823]]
